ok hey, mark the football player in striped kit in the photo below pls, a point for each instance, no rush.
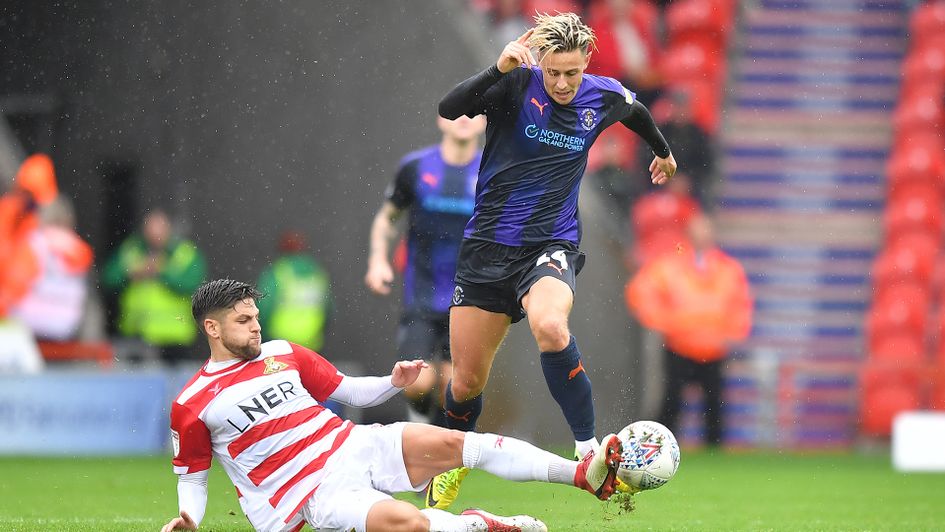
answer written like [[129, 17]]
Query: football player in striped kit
[[257, 409]]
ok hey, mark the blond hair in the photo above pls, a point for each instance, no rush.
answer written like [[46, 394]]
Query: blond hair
[[562, 33]]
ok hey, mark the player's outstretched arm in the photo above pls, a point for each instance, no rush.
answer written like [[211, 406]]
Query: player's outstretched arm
[[364, 392], [463, 98], [183, 522]]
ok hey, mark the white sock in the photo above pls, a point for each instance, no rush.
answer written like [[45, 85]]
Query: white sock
[[514, 459], [583, 447], [441, 521]]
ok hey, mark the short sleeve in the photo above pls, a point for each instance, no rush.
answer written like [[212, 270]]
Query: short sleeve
[[191, 441], [402, 191], [319, 376]]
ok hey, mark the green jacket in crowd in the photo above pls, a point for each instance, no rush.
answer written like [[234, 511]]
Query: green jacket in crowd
[[296, 302], [156, 309]]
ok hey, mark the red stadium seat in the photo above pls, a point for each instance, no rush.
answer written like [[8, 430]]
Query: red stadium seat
[[937, 392], [924, 110], [888, 389], [904, 261], [687, 18], [932, 141], [925, 62], [900, 309], [921, 88], [927, 22], [919, 161], [908, 212], [903, 190], [898, 346], [881, 406], [693, 60]]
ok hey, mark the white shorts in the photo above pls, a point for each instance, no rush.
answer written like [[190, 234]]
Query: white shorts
[[365, 470]]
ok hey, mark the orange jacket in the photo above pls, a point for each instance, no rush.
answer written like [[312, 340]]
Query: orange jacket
[[698, 310], [35, 184], [19, 266], [659, 220]]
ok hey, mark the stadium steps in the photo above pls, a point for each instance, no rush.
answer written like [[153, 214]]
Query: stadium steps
[[804, 144]]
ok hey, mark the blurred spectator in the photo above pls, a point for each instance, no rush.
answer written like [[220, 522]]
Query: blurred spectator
[[692, 145], [35, 185], [698, 299], [154, 273], [53, 306], [660, 219], [628, 45], [297, 302]]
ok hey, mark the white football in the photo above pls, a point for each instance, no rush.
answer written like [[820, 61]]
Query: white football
[[650, 455]]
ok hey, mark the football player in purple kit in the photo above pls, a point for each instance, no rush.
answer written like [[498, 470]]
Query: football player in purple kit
[[437, 185], [520, 255]]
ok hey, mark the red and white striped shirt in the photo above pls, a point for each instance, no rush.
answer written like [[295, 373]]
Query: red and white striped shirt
[[262, 420]]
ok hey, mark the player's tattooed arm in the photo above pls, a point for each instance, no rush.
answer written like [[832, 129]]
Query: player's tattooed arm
[[380, 274]]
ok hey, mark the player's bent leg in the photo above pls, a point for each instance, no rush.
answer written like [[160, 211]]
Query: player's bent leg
[[475, 336], [393, 515], [548, 303], [429, 451]]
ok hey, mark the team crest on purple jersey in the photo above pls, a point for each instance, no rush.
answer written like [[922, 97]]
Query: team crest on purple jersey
[[588, 118]]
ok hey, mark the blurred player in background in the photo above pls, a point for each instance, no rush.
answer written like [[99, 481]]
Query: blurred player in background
[[437, 185], [520, 253], [257, 408], [698, 299]]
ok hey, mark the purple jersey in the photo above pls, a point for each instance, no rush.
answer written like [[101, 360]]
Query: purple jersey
[[535, 156], [440, 198]]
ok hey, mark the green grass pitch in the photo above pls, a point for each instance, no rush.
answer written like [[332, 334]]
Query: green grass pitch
[[712, 491]]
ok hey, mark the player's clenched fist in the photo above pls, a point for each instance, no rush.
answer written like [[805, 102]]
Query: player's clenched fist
[[516, 53]]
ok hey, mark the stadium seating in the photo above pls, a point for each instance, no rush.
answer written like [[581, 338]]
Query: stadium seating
[[927, 22], [920, 160], [686, 19], [903, 262], [902, 309], [913, 213], [881, 405], [99, 352], [894, 346]]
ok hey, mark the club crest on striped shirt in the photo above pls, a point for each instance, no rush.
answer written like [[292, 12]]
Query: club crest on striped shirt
[[273, 366]]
